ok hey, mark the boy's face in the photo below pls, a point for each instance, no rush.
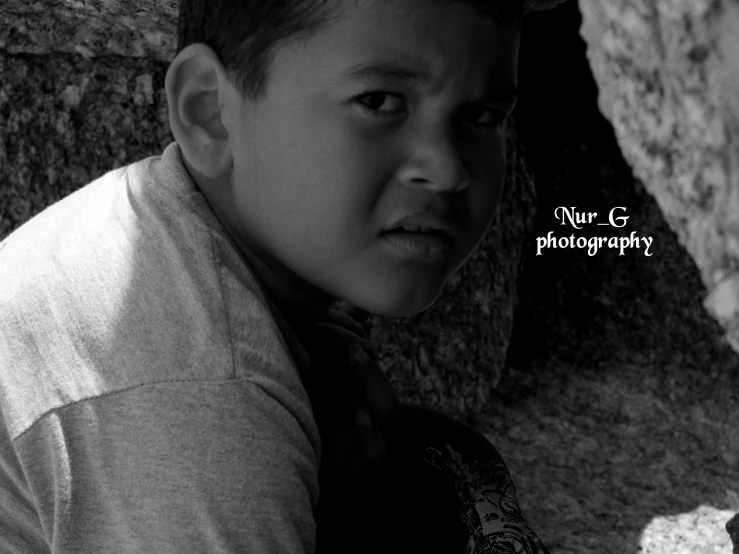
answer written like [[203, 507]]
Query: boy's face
[[337, 152]]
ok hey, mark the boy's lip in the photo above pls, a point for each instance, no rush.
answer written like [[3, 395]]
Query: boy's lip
[[432, 220]]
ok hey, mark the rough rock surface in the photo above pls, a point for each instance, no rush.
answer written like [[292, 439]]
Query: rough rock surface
[[611, 458], [67, 118], [618, 412], [89, 28], [732, 526], [668, 72], [606, 307], [138, 28]]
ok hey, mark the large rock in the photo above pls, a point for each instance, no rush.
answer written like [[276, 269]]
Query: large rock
[[82, 93], [668, 75], [137, 28], [639, 309], [732, 527], [90, 28]]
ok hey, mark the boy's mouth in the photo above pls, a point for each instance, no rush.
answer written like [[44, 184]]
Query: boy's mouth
[[420, 231], [432, 245], [426, 223], [422, 236]]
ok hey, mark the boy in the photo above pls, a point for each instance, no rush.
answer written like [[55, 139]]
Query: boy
[[162, 329]]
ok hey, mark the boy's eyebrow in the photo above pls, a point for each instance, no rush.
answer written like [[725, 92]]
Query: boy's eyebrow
[[390, 70]]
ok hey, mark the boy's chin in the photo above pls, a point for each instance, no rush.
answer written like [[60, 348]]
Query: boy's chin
[[400, 305]]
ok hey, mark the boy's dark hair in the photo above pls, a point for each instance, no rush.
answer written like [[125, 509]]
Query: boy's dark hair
[[245, 33]]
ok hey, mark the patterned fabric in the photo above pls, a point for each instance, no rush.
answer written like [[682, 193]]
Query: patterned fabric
[[487, 504]]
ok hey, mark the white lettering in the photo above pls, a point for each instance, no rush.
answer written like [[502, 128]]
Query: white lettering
[[623, 217]]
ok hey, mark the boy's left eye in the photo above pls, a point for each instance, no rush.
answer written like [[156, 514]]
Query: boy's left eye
[[383, 102], [388, 103]]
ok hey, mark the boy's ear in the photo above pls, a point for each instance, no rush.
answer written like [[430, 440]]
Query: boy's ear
[[197, 94]]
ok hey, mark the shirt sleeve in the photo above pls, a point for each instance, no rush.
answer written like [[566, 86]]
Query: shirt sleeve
[[216, 467]]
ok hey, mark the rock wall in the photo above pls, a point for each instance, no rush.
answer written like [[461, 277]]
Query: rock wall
[[606, 307], [617, 411], [668, 75], [90, 28]]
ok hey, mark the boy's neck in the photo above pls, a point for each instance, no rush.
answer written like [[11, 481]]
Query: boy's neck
[[296, 307], [297, 300]]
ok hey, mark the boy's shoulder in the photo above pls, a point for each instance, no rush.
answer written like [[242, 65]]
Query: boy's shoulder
[[121, 284]]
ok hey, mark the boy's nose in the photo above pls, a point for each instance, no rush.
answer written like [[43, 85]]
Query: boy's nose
[[434, 162]]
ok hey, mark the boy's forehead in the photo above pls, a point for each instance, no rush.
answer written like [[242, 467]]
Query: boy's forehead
[[393, 19], [415, 40]]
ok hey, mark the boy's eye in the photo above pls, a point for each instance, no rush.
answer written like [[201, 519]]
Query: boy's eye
[[384, 102]]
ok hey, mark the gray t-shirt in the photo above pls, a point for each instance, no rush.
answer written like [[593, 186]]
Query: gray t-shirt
[[150, 393]]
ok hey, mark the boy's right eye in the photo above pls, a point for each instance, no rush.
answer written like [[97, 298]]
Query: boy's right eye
[[382, 102]]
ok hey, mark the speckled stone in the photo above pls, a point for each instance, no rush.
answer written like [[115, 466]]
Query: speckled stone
[[89, 28], [732, 527], [668, 75]]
